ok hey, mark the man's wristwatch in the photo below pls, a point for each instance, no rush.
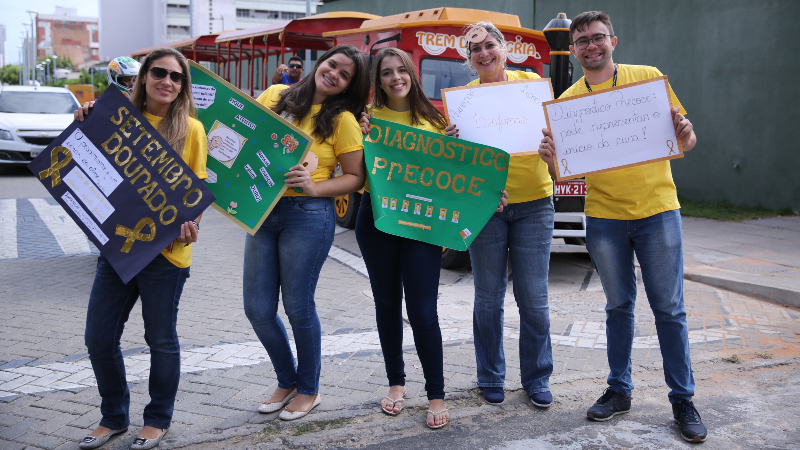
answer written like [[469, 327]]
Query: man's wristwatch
[[196, 225]]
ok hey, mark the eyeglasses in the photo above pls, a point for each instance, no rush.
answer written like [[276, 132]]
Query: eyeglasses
[[295, 66], [597, 40], [158, 73]]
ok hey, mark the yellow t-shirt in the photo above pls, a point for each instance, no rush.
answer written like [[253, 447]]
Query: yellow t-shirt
[[403, 118], [195, 151], [528, 178], [346, 138], [635, 192]]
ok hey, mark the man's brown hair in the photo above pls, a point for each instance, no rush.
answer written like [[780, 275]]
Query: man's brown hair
[[584, 19]]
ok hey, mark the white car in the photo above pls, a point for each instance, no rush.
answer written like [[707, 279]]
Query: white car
[[31, 117]]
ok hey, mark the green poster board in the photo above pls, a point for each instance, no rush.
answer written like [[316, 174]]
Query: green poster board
[[430, 187], [250, 148]]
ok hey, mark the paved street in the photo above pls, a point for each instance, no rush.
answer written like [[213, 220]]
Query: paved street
[[48, 397]]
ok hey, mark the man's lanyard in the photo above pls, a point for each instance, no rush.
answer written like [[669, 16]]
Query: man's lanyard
[[613, 85]]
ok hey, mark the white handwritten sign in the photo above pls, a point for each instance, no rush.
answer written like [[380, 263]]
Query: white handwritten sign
[[97, 166], [614, 128], [203, 95], [90, 196], [507, 115], [73, 204]]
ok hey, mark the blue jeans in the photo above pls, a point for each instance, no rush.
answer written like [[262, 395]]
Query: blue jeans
[[159, 285], [658, 243], [522, 233], [396, 264], [285, 256]]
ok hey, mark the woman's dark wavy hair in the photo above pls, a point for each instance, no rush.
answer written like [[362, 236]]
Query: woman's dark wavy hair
[[420, 105], [296, 100]]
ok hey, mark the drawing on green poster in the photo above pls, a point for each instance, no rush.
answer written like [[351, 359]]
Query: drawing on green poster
[[224, 144], [429, 187], [250, 148]]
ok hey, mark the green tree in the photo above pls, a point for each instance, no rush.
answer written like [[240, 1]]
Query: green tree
[[9, 75], [62, 62]]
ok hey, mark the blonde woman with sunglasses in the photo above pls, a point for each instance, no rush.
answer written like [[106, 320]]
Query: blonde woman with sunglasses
[[162, 93]]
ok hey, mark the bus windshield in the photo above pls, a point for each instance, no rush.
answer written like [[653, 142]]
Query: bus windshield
[[439, 73]]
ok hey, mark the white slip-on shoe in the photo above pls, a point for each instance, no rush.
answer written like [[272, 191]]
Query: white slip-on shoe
[[266, 408], [292, 415], [92, 442]]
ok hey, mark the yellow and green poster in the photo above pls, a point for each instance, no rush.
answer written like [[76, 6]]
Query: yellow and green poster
[[430, 187], [250, 148]]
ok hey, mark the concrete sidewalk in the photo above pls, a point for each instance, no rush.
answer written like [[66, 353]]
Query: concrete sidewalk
[[760, 258]]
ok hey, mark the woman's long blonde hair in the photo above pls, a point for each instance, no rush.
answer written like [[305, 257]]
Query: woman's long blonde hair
[[175, 125]]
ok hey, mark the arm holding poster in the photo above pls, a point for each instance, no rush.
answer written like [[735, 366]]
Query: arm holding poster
[[286, 254], [131, 176], [614, 128]]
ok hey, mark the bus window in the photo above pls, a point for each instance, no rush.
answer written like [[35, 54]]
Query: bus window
[[440, 73]]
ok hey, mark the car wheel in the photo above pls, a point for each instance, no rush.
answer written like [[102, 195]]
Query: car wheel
[[454, 259], [347, 209]]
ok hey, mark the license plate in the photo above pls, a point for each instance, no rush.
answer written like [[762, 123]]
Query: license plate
[[570, 188], [35, 153]]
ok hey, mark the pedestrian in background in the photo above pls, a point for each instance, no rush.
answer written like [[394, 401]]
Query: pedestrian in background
[[634, 211], [286, 254], [163, 94], [290, 74], [521, 234]]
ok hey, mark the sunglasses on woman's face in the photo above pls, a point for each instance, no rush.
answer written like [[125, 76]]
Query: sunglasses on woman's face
[[158, 74]]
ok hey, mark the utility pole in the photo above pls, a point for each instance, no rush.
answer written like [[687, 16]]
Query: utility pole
[[191, 18], [307, 64], [25, 55], [34, 42], [20, 64]]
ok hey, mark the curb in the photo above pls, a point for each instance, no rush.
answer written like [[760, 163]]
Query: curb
[[772, 294]]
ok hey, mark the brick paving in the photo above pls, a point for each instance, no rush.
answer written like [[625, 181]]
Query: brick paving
[[47, 396]]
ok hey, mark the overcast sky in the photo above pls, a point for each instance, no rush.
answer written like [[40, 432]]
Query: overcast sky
[[14, 16]]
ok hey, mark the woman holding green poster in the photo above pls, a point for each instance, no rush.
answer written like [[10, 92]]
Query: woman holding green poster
[[397, 264], [287, 252], [521, 234]]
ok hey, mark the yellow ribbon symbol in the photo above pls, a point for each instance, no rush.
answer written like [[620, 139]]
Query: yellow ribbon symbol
[[566, 168], [136, 233], [671, 150], [56, 165]]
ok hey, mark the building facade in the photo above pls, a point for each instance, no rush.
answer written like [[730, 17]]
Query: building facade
[[68, 35], [155, 22]]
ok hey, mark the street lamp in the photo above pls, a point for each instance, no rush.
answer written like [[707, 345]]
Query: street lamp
[[27, 53], [20, 64], [46, 70], [557, 35], [34, 41], [54, 68]]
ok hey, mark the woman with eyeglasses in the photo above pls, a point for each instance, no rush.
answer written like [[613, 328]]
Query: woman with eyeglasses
[[521, 235], [163, 94], [286, 254]]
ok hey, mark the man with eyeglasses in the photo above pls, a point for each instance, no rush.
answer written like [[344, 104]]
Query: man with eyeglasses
[[634, 211], [290, 74]]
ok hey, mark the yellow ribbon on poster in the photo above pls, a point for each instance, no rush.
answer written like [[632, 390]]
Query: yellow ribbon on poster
[[136, 233], [56, 165]]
